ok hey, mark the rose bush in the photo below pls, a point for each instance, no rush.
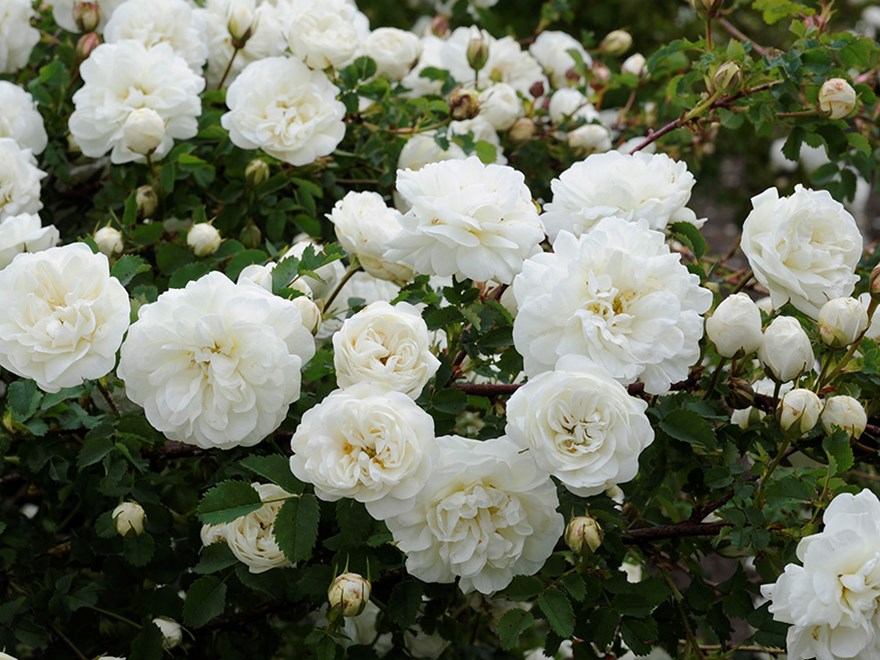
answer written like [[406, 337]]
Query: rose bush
[[446, 328]]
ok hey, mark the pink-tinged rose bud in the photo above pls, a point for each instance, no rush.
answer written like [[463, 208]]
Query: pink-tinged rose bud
[[837, 98], [349, 594]]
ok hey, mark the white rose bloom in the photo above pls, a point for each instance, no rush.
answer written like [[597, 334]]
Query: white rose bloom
[[842, 321], [127, 78], [570, 105], [216, 364], [394, 51], [420, 150], [480, 130], [831, 600], [649, 186], [589, 139], [20, 119], [804, 248], [735, 326], [326, 33], [281, 106], [617, 296], [366, 443], [844, 412], [251, 538], [500, 105], [62, 11], [19, 180], [551, 48], [17, 36], [387, 345], [267, 35], [63, 316], [24, 233], [786, 351], [466, 219], [486, 514], [156, 21], [361, 289], [364, 224], [582, 426]]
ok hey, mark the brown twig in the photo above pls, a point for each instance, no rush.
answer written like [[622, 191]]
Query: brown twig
[[733, 31], [674, 531]]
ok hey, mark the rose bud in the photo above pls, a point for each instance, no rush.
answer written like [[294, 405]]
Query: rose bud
[[172, 634], [616, 42], [203, 239], [837, 98], [786, 351], [842, 321], [735, 326], [846, 413], [583, 535], [349, 593], [799, 411], [129, 518], [109, 240]]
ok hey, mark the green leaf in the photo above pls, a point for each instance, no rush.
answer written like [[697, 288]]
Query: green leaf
[[93, 450], [604, 626], [205, 600], [557, 608], [639, 634], [215, 557], [839, 452], [138, 550], [513, 624], [689, 427], [775, 10], [128, 267], [574, 584], [296, 527], [275, 468], [148, 643], [227, 501], [405, 601], [24, 398], [688, 234]]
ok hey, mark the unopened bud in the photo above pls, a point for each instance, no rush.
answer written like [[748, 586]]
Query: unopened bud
[[875, 281], [707, 7], [241, 23], [837, 98], [634, 65], [583, 535], [203, 239], [143, 131], [728, 78], [799, 411], [172, 634], [522, 130], [464, 104], [440, 25], [601, 73], [310, 312], [616, 42], [86, 44], [250, 236], [477, 53], [747, 417], [129, 518], [109, 240], [842, 321], [147, 201], [349, 594], [537, 90], [846, 413], [87, 16], [256, 173]]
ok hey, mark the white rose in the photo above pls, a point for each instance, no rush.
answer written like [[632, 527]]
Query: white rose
[[422, 149], [786, 351], [281, 106], [394, 51], [551, 50], [24, 233], [486, 514], [322, 39], [366, 443], [19, 180], [172, 633], [109, 240], [215, 364], [500, 105], [649, 186], [129, 518], [570, 105], [842, 321], [21, 120], [466, 219], [203, 239], [387, 345], [251, 538], [154, 84], [143, 131], [617, 296], [831, 601], [589, 139], [63, 13], [63, 316], [155, 21], [837, 98], [364, 224], [480, 130], [735, 326], [220, 17], [804, 248], [634, 65], [799, 411], [17, 36], [582, 426], [844, 412], [362, 289]]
